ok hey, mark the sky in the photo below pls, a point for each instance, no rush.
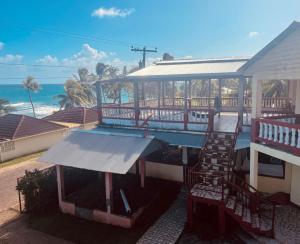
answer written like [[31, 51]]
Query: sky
[[78, 33]]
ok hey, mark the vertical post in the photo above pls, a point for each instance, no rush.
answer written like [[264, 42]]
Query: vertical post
[[253, 167], [136, 103], [99, 101], [120, 94], [190, 93], [163, 93], [297, 102], [222, 227], [185, 114], [142, 171], [242, 81], [143, 91], [256, 98], [108, 192], [185, 163], [173, 93], [60, 184], [209, 93], [158, 97], [220, 96]]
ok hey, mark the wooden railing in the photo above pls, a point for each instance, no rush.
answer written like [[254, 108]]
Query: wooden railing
[[165, 115], [282, 132]]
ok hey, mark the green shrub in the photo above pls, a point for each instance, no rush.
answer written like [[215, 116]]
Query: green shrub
[[39, 189]]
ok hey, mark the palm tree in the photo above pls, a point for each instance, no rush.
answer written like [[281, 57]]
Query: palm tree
[[75, 95], [275, 88], [31, 86], [5, 107]]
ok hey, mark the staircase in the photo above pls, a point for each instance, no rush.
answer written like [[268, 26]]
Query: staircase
[[213, 181]]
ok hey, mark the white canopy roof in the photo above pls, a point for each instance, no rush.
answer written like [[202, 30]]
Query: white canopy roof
[[189, 69], [100, 151]]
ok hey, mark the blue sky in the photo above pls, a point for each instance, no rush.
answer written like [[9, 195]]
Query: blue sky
[[190, 28]]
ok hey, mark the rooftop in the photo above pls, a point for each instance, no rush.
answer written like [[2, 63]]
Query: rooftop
[[77, 115], [14, 126]]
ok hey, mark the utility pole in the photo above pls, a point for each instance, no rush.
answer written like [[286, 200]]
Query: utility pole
[[144, 50]]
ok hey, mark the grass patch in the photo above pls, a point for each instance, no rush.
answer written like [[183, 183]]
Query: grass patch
[[20, 159], [88, 232]]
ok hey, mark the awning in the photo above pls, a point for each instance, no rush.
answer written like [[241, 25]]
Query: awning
[[174, 138], [99, 151], [242, 141]]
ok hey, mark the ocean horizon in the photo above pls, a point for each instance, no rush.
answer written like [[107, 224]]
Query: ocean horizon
[[43, 100]]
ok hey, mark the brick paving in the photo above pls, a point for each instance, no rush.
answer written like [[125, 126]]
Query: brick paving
[[168, 228], [287, 226], [8, 181]]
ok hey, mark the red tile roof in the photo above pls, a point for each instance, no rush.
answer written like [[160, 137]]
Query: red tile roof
[[78, 115], [13, 126]]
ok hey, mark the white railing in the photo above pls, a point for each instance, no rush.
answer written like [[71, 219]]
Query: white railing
[[280, 131]]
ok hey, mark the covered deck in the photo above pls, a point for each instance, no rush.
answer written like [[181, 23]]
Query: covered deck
[[119, 192], [181, 95]]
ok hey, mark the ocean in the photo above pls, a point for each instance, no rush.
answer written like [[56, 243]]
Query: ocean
[[43, 100]]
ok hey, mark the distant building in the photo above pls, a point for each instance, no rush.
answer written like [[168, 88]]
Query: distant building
[[77, 117], [21, 135]]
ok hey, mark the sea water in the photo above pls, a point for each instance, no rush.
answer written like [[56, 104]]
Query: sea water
[[43, 100]]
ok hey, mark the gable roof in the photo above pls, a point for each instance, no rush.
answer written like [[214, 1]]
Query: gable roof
[[14, 126], [77, 115], [275, 42]]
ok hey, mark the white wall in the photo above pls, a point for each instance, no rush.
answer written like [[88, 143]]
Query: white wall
[[29, 145], [162, 171], [295, 185]]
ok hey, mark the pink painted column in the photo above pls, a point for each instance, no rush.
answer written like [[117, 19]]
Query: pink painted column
[[108, 192], [60, 183], [142, 171]]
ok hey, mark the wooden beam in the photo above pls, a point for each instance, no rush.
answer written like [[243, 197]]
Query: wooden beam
[[60, 183], [209, 93], [253, 167], [136, 103], [242, 82], [109, 192], [185, 118], [99, 101], [256, 98], [142, 171]]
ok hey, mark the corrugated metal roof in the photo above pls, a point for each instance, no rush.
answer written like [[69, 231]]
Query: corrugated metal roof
[[95, 150], [191, 68], [176, 138]]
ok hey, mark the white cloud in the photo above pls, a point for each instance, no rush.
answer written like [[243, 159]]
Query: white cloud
[[112, 12], [253, 34], [11, 58], [48, 59], [1, 45], [86, 57]]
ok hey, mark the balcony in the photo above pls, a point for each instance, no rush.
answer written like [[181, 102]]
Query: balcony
[[280, 132], [193, 114]]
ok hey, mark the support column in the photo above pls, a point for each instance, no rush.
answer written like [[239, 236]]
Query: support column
[[142, 171], [292, 84], [185, 163], [256, 98], [120, 94], [297, 102], [163, 93], [136, 103], [60, 183], [242, 81], [99, 101], [253, 167], [190, 94], [158, 98], [209, 93], [108, 192], [173, 93], [185, 114]]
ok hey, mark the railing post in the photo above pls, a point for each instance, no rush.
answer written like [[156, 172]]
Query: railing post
[[253, 130]]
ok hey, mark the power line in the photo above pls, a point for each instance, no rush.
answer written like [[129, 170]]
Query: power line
[[38, 65], [74, 35], [41, 78], [144, 50]]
